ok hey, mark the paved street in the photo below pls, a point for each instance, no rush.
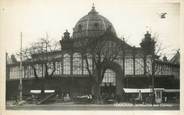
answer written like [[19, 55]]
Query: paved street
[[71, 106]]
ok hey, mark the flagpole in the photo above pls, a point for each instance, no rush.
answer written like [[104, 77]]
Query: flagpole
[[20, 83]]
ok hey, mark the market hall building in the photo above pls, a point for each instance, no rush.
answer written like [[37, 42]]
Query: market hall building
[[129, 70]]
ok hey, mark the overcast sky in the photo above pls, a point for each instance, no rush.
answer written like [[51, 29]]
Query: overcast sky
[[36, 17]]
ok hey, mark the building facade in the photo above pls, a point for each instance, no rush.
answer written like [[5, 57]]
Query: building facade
[[130, 69]]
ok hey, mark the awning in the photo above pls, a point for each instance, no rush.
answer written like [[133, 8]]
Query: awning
[[172, 90], [35, 91], [49, 91], [145, 90], [131, 90]]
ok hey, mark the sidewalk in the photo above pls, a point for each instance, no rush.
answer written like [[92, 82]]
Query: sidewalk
[[122, 104], [68, 106], [147, 105]]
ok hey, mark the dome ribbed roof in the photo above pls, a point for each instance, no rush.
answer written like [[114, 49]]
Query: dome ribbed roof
[[92, 25]]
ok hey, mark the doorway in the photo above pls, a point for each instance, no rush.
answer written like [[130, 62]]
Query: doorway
[[108, 85]]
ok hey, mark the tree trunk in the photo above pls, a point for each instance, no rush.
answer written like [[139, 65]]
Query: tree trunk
[[34, 70], [46, 71], [96, 89]]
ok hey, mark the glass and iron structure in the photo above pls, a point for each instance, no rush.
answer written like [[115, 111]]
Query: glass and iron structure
[[129, 69]]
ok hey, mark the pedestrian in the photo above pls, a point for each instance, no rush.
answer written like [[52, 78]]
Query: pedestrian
[[165, 99], [133, 101], [118, 98]]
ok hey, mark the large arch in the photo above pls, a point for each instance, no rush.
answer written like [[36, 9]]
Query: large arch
[[119, 76]]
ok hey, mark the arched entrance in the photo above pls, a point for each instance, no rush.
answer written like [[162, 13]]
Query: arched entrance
[[108, 85], [113, 81]]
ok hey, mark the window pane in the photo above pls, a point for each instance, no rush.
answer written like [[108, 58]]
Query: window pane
[[58, 68], [139, 66], [149, 65], [109, 77], [128, 66], [66, 64], [77, 63]]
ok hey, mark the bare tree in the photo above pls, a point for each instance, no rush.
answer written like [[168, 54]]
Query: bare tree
[[39, 53], [104, 50]]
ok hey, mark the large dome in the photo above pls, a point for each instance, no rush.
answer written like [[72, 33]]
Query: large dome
[[92, 25]]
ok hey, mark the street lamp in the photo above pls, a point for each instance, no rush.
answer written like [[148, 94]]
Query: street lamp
[[21, 71]]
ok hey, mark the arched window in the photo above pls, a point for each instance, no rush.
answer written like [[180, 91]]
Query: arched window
[[148, 65], [50, 66], [77, 63], [128, 65], [66, 64], [29, 72], [89, 60], [38, 70], [139, 66], [15, 72], [58, 68], [11, 72], [109, 77]]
